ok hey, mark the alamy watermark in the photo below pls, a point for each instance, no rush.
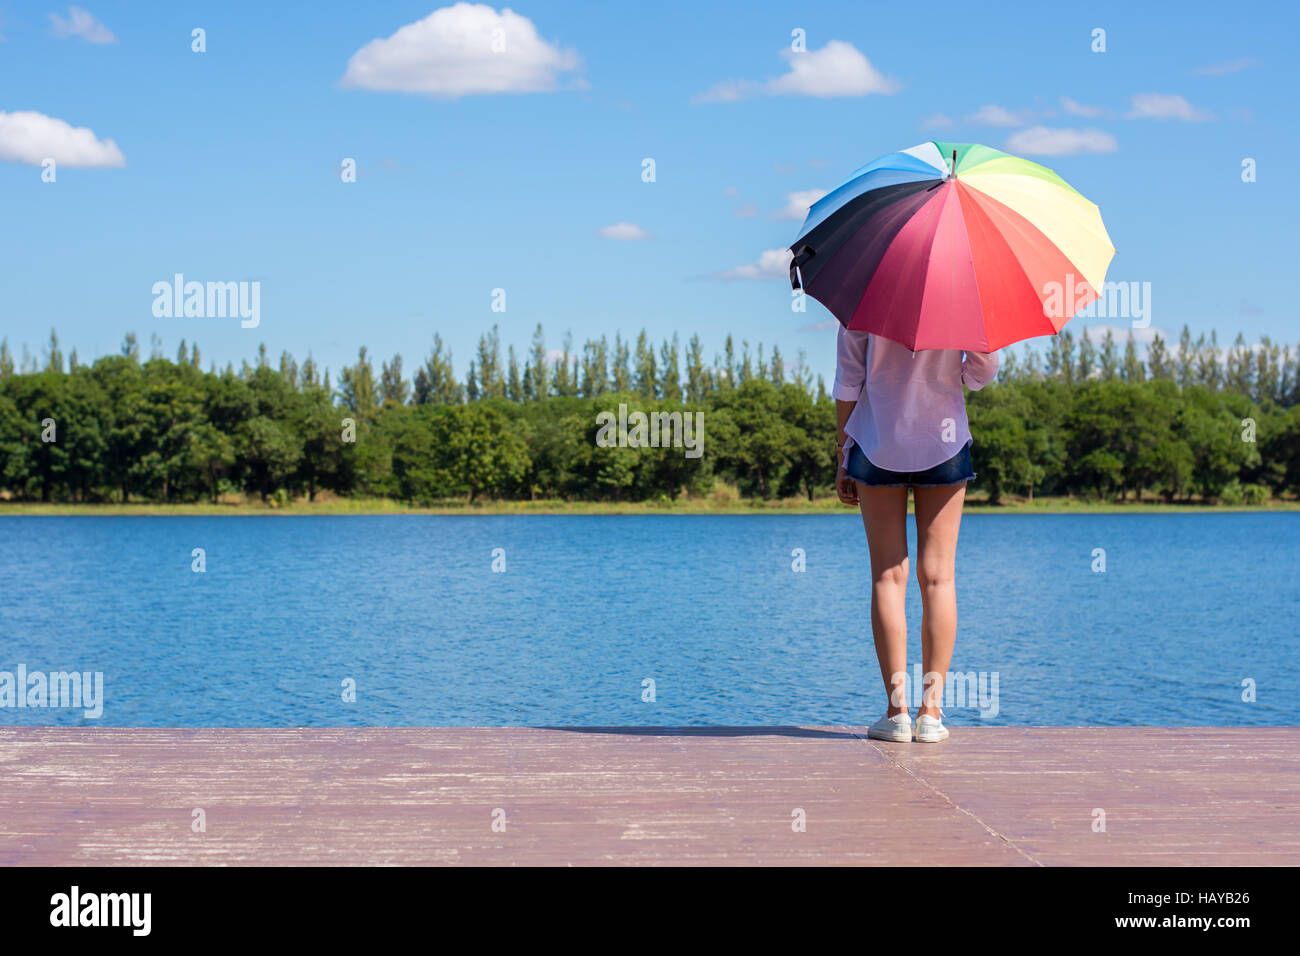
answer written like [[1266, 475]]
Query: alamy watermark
[[1115, 300], [211, 300], [23, 688], [654, 430], [77, 908], [967, 689]]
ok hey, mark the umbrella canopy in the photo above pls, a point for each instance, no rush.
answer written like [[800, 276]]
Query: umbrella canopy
[[952, 246]]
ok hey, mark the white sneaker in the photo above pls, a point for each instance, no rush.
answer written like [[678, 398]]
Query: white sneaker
[[930, 730], [897, 728]]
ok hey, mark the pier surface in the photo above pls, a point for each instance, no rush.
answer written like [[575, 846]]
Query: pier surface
[[1019, 796]]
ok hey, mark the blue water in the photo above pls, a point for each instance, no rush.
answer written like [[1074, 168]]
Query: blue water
[[589, 608]]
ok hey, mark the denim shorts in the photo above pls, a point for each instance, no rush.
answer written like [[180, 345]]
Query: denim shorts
[[954, 471]]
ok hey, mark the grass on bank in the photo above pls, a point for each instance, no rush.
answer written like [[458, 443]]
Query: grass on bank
[[723, 500]]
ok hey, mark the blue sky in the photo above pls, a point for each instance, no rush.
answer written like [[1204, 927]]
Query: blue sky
[[229, 162]]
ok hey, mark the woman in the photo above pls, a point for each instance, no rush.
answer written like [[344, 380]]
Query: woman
[[902, 423]]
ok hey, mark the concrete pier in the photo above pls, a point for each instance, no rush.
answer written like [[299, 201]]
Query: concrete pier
[[624, 795]]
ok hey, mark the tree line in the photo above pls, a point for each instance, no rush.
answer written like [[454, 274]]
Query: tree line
[[1185, 421]]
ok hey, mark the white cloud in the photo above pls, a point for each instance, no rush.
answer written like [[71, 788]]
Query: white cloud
[[797, 203], [1166, 106], [624, 231], [825, 325], [772, 264], [747, 208], [1141, 337], [999, 116], [1078, 109], [728, 92], [1228, 66], [452, 53], [1047, 141], [81, 23], [837, 69], [937, 121], [30, 137]]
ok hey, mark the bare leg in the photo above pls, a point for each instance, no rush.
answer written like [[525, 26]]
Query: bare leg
[[938, 518], [884, 515]]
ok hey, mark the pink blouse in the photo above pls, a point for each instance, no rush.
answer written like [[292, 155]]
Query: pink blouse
[[911, 413]]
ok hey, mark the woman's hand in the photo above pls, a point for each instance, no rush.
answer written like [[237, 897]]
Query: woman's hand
[[846, 487]]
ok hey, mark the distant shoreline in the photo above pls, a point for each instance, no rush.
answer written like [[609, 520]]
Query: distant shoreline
[[696, 506]]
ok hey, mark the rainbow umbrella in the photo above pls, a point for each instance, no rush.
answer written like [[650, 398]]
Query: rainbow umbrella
[[952, 246]]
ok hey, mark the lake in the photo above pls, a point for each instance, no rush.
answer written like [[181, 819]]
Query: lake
[[640, 620]]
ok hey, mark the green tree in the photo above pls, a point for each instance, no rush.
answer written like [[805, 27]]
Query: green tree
[[646, 381], [270, 452], [435, 381], [393, 389], [358, 389]]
